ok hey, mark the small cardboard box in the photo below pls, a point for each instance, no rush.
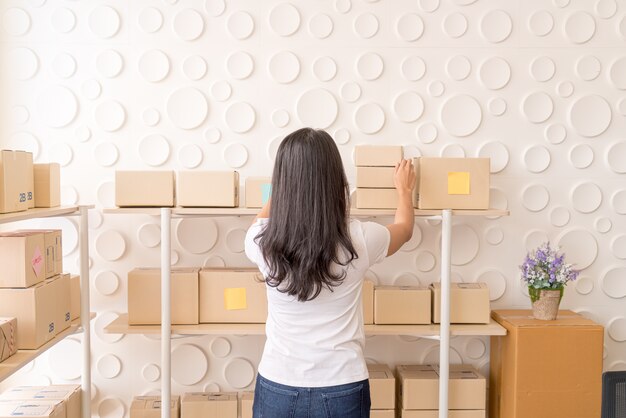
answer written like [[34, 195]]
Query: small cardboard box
[[209, 405], [62, 299], [453, 183], [419, 387], [455, 413], [383, 413], [247, 401], [203, 188], [22, 257], [524, 381], [382, 386], [232, 296], [377, 155], [144, 188], [74, 297], [53, 249], [33, 409], [14, 180], [401, 305], [69, 394], [258, 191], [367, 298], [30, 180], [35, 310], [8, 338], [150, 407], [469, 303], [144, 296], [376, 198], [47, 185], [375, 177]]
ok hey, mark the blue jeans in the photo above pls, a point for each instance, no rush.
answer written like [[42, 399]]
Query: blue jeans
[[273, 400]]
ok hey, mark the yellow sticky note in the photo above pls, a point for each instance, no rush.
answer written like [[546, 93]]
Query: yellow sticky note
[[458, 182], [235, 298]]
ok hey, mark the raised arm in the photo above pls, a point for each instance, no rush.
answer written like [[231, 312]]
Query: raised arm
[[402, 228], [265, 211]]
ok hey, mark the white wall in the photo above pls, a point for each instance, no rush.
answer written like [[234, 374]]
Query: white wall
[[537, 85]]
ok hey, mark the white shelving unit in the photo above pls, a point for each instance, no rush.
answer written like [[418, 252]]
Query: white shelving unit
[[23, 357], [441, 332]]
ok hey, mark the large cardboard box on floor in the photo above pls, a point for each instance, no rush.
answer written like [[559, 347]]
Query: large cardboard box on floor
[[33, 409], [468, 413], [201, 188], [377, 155], [144, 188], [230, 295], [74, 297], [144, 296], [247, 401], [14, 180], [544, 369], [150, 407], [22, 257], [69, 394], [401, 305], [47, 185], [62, 300], [53, 254], [469, 303], [453, 183], [382, 386], [419, 387], [367, 299], [36, 311], [8, 337], [258, 191], [209, 405]]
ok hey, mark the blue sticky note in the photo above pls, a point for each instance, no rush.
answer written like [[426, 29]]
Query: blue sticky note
[[266, 192]]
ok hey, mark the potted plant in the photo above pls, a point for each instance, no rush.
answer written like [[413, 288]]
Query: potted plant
[[546, 273]]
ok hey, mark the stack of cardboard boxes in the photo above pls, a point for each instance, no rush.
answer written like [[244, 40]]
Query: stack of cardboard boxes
[[196, 405], [375, 168], [55, 401], [382, 391]]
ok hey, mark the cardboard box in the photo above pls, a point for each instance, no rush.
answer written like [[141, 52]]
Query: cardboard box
[[383, 413], [30, 180], [469, 303], [35, 310], [247, 400], [62, 299], [47, 185], [375, 177], [209, 405], [53, 254], [367, 299], [401, 305], [14, 181], [144, 188], [377, 155], [232, 296], [453, 183], [376, 198], [382, 386], [150, 407], [8, 338], [69, 394], [545, 369], [22, 257], [74, 297], [258, 191], [468, 413], [208, 189], [33, 409], [419, 387], [144, 296]]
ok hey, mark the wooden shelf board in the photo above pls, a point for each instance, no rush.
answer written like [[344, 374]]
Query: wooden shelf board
[[23, 357], [120, 326], [37, 213]]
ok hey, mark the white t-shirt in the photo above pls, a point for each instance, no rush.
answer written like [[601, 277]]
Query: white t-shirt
[[319, 342]]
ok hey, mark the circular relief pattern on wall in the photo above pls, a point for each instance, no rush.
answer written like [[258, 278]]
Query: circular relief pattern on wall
[[191, 364], [534, 239], [413, 68], [617, 331], [579, 245], [106, 154], [197, 235], [436, 88], [106, 282], [496, 26], [428, 6], [214, 261], [235, 239], [343, 6], [63, 20], [565, 89], [555, 133], [190, 156], [154, 150], [187, 108], [284, 19], [239, 373], [26, 142], [590, 115], [579, 27], [240, 65], [498, 154], [366, 25], [465, 245], [581, 156], [149, 235], [110, 115], [150, 20], [64, 65], [62, 359], [240, 117], [104, 22], [586, 197], [69, 196], [57, 106], [475, 348], [425, 261], [461, 115], [91, 89], [154, 65], [541, 23], [559, 216], [151, 117], [194, 67], [415, 240], [537, 107], [603, 225], [321, 26], [342, 136], [616, 157], [455, 25], [369, 118], [606, 9], [188, 25], [408, 106], [109, 63], [618, 246], [535, 197], [410, 27], [613, 283], [25, 63], [350, 92], [458, 67], [221, 91], [542, 68], [497, 106], [109, 366], [618, 200], [215, 7], [452, 151], [220, 347], [432, 356], [151, 372], [370, 66], [235, 155], [537, 158], [494, 73], [588, 68], [496, 283], [584, 285], [494, 235], [317, 108], [240, 25], [325, 68], [16, 21], [284, 67], [110, 245], [406, 279], [427, 133], [617, 73], [61, 153], [280, 118]]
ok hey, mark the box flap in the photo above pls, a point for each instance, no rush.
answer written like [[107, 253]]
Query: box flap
[[524, 318]]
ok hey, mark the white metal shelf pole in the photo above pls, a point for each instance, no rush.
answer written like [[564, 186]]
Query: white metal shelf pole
[[85, 318], [166, 323], [444, 336]]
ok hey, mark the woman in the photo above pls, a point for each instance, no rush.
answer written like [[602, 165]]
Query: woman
[[314, 258]]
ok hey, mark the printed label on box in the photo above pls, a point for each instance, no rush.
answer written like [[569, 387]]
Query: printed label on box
[[31, 410], [266, 192], [458, 182], [235, 298], [37, 261]]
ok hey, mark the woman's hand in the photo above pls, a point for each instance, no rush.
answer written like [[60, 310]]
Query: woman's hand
[[404, 177]]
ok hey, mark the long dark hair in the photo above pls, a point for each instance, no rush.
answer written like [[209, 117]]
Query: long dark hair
[[307, 231]]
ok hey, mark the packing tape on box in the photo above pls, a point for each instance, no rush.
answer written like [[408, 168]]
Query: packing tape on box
[[266, 192], [458, 182], [235, 298]]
